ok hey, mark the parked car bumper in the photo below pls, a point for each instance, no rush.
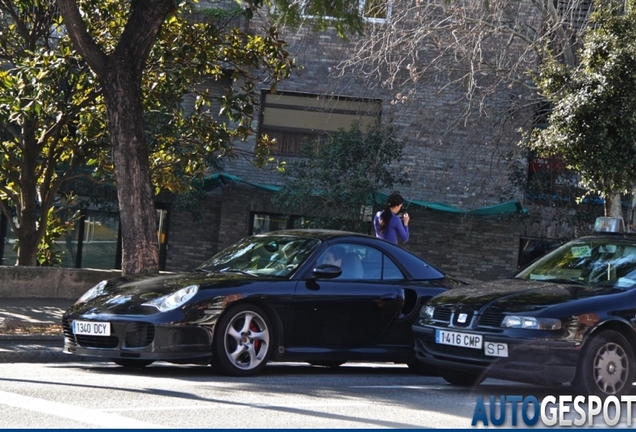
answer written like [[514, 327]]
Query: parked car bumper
[[144, 341], [529, 360]]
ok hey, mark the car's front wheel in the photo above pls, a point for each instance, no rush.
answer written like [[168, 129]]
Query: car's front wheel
[[606, 366], [243, 341]]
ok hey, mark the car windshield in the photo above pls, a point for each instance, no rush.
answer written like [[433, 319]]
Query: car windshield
[[594, 261], [262, 255]]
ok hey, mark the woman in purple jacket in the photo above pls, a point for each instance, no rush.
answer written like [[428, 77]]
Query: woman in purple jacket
[[388, 225]]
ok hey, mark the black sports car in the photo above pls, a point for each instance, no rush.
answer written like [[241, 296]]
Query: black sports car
[[319, 296], [569, 317]]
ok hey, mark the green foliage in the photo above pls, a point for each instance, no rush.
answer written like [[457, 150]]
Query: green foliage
[[52, 123], [53, 119], [189, 201], [342, 15], [49, 254], [335, 185], [593, 121], [59, 223], [52, 115], [191, 61], [199, 50]]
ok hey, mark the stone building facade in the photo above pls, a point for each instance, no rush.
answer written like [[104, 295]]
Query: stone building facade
[[461, 160]]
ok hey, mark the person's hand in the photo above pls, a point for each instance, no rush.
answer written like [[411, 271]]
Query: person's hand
[[405, 219]]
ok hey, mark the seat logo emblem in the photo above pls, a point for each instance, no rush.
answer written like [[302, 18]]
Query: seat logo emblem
[[462, 318]]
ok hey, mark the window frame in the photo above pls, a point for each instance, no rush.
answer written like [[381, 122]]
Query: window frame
[[314, 116]]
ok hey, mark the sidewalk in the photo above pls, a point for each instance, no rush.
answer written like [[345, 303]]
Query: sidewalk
[[32, 348]]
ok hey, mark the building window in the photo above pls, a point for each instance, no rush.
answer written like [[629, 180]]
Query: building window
[[94, 240], [295, 118], [370, 10], [9, 256]]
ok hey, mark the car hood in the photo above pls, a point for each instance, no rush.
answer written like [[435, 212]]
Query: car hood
[[125, 294], [518, 295]]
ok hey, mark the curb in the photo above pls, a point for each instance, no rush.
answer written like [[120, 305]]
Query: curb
[[30, 338], [34, 349]]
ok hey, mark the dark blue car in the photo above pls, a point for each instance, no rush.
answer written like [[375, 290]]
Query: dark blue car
[[569, 317], [318, 296]]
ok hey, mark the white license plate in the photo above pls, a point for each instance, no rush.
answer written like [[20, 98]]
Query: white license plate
[[91, 328], [464, 340], [496, 349]]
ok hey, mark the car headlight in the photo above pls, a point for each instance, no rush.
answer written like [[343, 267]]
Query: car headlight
[[96, 291], [173, 300], [427, 312], [524, 322]]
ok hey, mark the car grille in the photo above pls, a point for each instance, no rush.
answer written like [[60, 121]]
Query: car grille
[[491, 319], [88, 341], [97, 341], [139, 335], [487, 319], [442, 313], [136, 335], [66, 326]]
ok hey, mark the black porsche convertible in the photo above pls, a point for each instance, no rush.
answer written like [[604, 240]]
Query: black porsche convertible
[[569, 317], [318, 296]]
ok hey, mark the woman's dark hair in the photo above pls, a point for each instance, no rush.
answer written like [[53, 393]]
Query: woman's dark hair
[[394, 199]]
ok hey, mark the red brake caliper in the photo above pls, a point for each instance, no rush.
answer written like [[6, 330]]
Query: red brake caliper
[[257, 343]]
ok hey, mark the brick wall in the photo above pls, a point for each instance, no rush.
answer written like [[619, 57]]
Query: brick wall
[[225, 219], [463, 246], [193, 239], [470, 247], [457, 160]]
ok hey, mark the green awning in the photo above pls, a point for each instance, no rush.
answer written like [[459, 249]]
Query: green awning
[[497, 209], [217, 180]]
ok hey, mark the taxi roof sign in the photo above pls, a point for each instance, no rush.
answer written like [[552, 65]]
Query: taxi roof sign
[[609, 224]]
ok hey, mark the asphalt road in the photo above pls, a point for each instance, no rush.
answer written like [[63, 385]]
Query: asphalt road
[[102, 395], [83, 395]]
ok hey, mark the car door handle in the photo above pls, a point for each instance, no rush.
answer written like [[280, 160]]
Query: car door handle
[[389, 297]]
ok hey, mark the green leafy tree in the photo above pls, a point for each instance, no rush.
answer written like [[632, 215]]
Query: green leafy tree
[[593, 119], [116, 38], [336, 183], [51, 122], [59, 223], [191, 52]]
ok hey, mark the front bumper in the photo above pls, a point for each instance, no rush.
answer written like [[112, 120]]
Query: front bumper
[[535, 361], [144, 341]]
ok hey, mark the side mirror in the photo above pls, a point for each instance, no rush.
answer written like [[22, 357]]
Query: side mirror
[[327, 271]]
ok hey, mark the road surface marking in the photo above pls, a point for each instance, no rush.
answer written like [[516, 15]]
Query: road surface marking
[[232, 405], [84, 415]]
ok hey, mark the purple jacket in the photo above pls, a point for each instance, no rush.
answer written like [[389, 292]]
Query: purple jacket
[[392, 232]]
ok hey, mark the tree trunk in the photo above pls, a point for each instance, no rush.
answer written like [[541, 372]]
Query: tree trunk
[[26, 229], [28, 250], [613, 206], [140, 249], [120, 74]]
